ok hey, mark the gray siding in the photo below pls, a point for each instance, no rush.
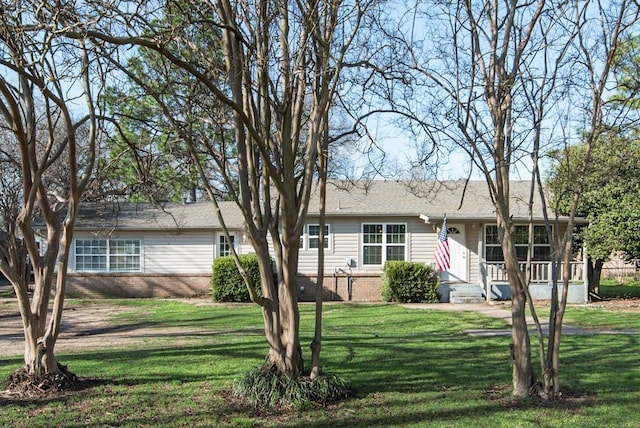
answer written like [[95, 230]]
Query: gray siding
[[345, 243], [423, 242], [189, 252]]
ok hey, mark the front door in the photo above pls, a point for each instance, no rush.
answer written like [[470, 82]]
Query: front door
[[458, 250]]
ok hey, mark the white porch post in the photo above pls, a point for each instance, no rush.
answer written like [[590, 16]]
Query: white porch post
[[585, 273], [485, 283]]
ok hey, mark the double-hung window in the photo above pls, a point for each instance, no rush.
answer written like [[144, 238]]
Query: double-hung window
[[313, 236], [108, 255], [541, 248], [310, 240], [224, 246], [382, 242]]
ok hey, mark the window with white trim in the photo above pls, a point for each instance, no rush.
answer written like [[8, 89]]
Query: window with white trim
[[313, 236], [108, 255], [224, 249], [541, 247], [382, 242]]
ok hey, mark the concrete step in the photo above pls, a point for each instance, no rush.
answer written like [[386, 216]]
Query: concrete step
[[461, 300], [466, 295]]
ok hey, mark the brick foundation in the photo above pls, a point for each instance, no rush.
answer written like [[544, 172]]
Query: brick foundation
[[358, 287], [138, 285]]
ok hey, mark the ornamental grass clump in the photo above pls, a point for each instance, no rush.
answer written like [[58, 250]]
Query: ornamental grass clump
[[266, 387]]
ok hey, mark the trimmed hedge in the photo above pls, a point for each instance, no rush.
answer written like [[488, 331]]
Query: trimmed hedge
[[226, 282], [409, 282]]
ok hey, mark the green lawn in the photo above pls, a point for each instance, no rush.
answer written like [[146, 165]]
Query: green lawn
[[599, 317], [611, 289], [407, 368]]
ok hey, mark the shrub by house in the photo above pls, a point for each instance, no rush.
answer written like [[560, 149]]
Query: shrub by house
[[409, 282], [227, 284]]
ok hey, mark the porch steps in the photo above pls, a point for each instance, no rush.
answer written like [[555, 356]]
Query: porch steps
[[466, 295]]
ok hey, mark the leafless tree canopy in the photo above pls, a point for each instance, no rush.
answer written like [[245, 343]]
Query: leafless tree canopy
[[247, 88], [504, 83], [47, 154]]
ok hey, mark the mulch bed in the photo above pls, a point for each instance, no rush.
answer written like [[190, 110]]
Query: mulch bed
[[21, 386], [570, 400]]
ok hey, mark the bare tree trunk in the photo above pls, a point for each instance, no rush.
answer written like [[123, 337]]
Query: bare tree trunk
[[521, 347], [289, 354], [277, 72], [44, 144], [39, 359], [594, 275], [521, 355], [316, 344], [549, 371]]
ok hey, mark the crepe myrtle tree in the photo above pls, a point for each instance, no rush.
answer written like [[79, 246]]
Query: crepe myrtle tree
[[498, 79], [611, 180], [44, 79], [595, 46], [276, 65]]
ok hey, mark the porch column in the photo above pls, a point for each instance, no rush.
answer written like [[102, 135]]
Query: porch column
[[482, 264], [585, 273]]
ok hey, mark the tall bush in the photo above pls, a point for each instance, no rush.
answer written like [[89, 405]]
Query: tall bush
[[227, 284], [409, 282]]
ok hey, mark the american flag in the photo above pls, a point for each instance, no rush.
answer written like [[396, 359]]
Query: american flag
[[443, 258]]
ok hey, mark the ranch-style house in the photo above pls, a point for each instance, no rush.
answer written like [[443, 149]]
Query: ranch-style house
[[144, 250]]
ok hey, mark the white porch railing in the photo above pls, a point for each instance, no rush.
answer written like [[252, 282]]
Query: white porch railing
[[540, 272]]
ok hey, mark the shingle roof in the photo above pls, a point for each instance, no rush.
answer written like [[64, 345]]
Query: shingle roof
[[457, 199], [144, 216], [377, 198]]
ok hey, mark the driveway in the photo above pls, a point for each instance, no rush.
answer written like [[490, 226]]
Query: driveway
[[86, 326]]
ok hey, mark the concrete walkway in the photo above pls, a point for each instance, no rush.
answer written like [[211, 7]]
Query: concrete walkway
[[502, 310]]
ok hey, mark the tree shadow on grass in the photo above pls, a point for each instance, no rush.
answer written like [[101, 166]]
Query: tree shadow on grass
[[142, 365], [456, 375], [417, 362]]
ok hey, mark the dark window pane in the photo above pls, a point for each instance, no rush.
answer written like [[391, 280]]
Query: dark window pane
[[521, 234], [396, 233], [540, 235], [395, 252], [521, 251], [492, 235], [313, 230], [372, 255], [372, 233], [494, 254], [542, 253]]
